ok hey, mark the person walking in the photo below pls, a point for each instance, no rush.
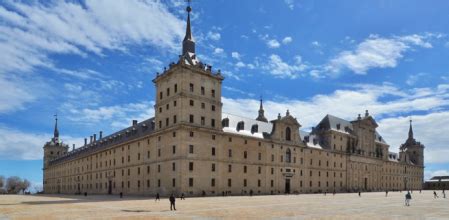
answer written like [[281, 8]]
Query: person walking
[[386, 193], [182, 196], [444, 194], [157, 197], [360, 193], [408, 197], [435, 195], [172, 202]]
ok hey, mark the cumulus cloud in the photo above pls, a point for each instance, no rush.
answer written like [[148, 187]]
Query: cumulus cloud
[[273, 43], [236, 55], [290, 4], [281, 69], [376, 52], [218, 51], [414, 78], [287, 40]]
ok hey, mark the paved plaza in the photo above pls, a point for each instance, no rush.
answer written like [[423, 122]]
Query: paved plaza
[[304, 206]]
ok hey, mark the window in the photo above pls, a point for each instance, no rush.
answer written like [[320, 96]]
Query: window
[[213, 167], [288, 134], [229, 168], [203, 106], [158, 152], [203, 121], [190, 182], [191, 102], [166, 122], [212, 182], [176, 88], [158, 168], [272, 171], [138, 156], [245, 155], [191, 149], [212, 123], [244, 169], [229, 182], [288, 156], [260, 156], [213, 108], [191, 87], [244, 183], [258, 183], [230, 153], [173, 182], [259, 170], [240, 125], [191, 134], [191, 119], [160, 95], [213, 92], [213, 151], [168, 91], [225, 122], [174, 149], [160, 109], [202, 90], [174, 103]]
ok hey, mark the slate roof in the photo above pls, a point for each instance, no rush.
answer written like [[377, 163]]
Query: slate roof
[[263, 127], [130, 133]]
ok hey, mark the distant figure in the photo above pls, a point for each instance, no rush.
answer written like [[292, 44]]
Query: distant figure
[[222, 192], [444, 194], [251, 193], [333, 193], [408, 197], [172, 202], [360, 193], [121, 195], [386, 193], [182, 196], [419, 191], [325, 192], [85, 193], [204, 193], [157, 197], [435, 195]]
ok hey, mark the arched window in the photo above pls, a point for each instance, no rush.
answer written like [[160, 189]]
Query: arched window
[[288, 134], [288, 156]]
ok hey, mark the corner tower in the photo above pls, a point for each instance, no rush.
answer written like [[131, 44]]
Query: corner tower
[[188, 92], [413, 149], [54, 148]]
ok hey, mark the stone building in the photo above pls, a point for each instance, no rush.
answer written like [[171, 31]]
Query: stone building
[[437, 183], [191, 146]]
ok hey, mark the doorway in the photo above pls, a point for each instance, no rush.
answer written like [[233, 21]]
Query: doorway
[[366, 183], [287, 186], [110, 187]]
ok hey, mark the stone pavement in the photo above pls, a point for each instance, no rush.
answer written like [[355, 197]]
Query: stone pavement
[[304, 206]]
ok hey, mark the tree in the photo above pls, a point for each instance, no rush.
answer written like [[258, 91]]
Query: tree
[[2, 181], [15, 184]]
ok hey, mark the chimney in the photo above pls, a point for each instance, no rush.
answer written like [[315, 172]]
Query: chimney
[[73, 147], [90, 139], [101, 135], [366, 113], [95, 137], [85, 141], [134, 122], [360, 117]]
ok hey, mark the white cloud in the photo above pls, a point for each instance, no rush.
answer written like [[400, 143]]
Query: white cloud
[[414, 78], [287, 40], [231, 75], [214, 35], [236, 55], [240, 64], [316, 44], [278, 68], [30, 33], [13, 94], [218, 50], [376, 52], [273, 43], [290, 4]]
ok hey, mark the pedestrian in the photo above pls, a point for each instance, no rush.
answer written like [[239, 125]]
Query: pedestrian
[[386, 193], [172, 202], [85, 193], [419, 191], [182, 196], [333, 193], [121, 195], [444, 194], [360, 193], [435, 195], [251, 192], [157, 197], [408, 197]]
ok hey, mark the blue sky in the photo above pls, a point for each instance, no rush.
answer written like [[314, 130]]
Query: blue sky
[[92, 62]]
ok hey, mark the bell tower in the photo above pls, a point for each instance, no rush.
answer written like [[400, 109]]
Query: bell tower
[[413, 149]]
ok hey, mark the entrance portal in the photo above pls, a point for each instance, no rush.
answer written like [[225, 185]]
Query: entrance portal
[[287, 186], [110, 187]]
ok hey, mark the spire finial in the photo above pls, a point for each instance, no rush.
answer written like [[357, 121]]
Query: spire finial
[[188, 44], [261, 105], [56, 132], [410, 131]]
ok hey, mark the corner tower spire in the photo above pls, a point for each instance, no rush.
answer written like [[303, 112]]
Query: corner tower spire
[[56, 132], [188, 44], [261, 116], [410, 131]]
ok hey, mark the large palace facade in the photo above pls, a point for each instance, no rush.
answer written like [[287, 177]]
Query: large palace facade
[[190, 146]]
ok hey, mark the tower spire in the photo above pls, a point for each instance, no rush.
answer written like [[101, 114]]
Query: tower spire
[[261, 116], [56, 132], [410, 131], [188, 44]]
